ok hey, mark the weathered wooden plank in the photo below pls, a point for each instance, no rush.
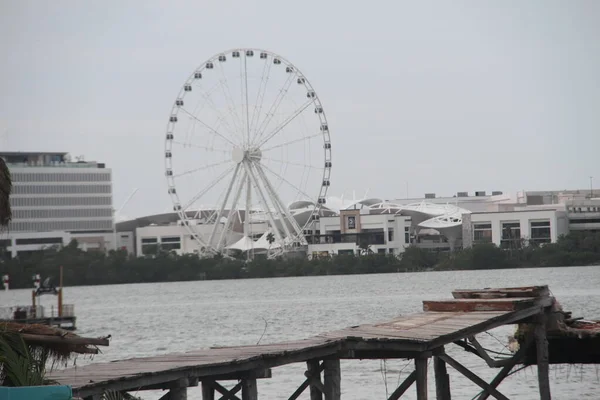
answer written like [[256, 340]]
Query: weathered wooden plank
[[469, 305], [526, 291]]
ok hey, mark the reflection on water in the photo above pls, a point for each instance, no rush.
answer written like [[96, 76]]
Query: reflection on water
[[150, 319]]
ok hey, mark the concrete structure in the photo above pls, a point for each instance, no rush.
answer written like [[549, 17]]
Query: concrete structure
[[55, 200], [513, 229], [352, 232]]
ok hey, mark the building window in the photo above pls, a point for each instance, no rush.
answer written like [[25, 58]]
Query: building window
[[482, 233], [406, 234], [540, 232], [346, 252], [390, 234], [50, 240], [169, 243], [511, 235], [381, 251]]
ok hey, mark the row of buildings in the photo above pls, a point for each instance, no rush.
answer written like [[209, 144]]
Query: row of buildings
[[57, 199]]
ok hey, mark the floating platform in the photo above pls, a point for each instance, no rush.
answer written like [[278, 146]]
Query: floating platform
[[421, 337]]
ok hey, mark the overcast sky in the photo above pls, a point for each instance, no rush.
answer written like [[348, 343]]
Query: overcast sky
[[447, 95]]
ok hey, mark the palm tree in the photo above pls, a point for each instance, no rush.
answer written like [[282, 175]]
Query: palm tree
[[5, 190]]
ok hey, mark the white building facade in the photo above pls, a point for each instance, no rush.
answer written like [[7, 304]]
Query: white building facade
[[55, 201], [353, 232]]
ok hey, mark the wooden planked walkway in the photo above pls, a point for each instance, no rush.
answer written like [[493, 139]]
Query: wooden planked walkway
[[441, 323]]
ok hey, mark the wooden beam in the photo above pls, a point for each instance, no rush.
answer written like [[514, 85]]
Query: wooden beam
[[249, 389], [82, 341], [233, 391], [442, 379], [400, 390], [519, 355], [379, 354], [421, 370], [486, 357], [314, 369], [526, 291], [238, 376], [332, 378], [543, 357], [474, 378], [226, 393], [477, 305]]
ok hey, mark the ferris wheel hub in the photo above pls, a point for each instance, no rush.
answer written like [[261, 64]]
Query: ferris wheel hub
[[238, 155]]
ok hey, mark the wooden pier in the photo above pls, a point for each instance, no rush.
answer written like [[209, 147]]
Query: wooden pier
[[420, 337]]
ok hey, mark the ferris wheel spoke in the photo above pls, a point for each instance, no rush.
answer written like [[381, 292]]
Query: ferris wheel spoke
[[220, 117], [208, 148], [292, 163], [283, 208], [206, 189], [263, 200], [202, 168], [260, 95], [292, 142], [231, 103], [217, 221], [300, 191], [244, 90], [232, 210], [280, 127], [207, 126], [273, 109]]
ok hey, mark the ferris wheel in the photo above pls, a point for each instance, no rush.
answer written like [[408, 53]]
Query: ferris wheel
[[247, 137]]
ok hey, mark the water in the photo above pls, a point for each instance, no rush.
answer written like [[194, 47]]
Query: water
[[151, 319]]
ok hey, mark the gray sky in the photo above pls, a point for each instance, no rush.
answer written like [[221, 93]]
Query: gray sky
[[447, 96]]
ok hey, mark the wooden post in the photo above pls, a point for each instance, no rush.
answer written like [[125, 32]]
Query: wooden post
[[313, 370], [442, 379], [208, 392], [34, 308], [179, 393], [543, 356], [249, 389], [332, 377], [421, 368]]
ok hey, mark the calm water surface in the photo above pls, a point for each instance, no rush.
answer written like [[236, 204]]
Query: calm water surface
[[151, 319]]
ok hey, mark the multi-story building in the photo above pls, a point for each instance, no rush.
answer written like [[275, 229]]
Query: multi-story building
[[55, 200]]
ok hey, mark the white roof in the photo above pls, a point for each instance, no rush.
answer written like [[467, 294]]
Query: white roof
[[244, 244]]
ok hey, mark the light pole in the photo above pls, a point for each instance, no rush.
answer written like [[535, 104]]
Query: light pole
[[116, 213]]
